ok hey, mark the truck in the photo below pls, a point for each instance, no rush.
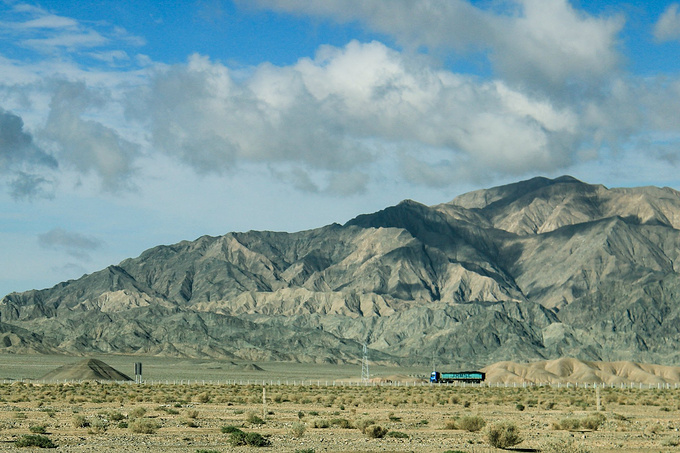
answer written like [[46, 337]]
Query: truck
[[473, 377]]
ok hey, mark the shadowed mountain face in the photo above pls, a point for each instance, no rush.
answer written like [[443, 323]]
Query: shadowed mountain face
[[539, 269]]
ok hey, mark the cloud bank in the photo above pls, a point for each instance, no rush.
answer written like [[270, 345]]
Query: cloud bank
[[347, 116]]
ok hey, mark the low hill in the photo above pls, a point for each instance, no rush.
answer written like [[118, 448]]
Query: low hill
[[90, 369], [570, 370]]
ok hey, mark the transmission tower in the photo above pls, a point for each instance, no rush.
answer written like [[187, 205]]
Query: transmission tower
[[364, 367]]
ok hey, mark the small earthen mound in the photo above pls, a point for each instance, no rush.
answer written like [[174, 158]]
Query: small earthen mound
[[86, 370]]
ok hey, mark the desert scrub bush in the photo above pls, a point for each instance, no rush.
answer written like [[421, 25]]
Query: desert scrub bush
[[34, 440], [298, 429], [97, 425], [567, 424], [451, 424], [593, 422], [341, 423], [37, 429], [237, 439], [471, 424], [254, 419], [563, 446], [504, 435], [116, 416], [305, 450], [144, 426], [397, 435], [321, 423], [364, 423], [192, 414], [230, 429], [137, 412], [203, 397], [79, 421], [375, 431], [519, 406]]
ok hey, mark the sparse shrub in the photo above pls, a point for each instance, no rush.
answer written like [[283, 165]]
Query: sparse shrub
[[305, 450], [672, 442], [190, 423], [593, 422], [230, 429], [375, 432], [393, 418], [38, 429], [79, 421], [471, 424], [450, 424], [123, 425], [568, 424], [301, 415], [137, 412], [363, 424], [35, 440], [116, 416], [254, 419], [519, 406], [298, 429], [563, 446], [397, 435], [144, 426], [251, 439], [207, 451], [203, 397], [192, 414], [321, 423], [504, 435], [341, 423], [98, 426]]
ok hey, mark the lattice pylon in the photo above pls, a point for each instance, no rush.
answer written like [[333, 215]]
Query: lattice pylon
[[365, 377]]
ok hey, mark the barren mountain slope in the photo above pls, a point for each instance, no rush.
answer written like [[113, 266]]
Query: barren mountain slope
[[537, 269]]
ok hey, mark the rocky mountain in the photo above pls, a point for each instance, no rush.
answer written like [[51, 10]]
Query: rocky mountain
[[539, 269]]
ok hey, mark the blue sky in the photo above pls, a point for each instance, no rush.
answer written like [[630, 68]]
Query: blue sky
[[129, 124]]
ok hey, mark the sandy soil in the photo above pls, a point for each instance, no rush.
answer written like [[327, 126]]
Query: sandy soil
[[190, 418]]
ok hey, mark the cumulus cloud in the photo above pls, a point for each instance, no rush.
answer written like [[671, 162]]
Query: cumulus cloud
[[75, 244], [19, 154], [542, 43], [346, 109], [87, 144], [667, 28]]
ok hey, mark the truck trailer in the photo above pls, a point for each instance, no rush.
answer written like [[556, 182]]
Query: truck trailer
[[474, 377]]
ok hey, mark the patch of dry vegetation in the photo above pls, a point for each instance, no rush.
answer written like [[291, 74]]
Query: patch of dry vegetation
[[347, 418]]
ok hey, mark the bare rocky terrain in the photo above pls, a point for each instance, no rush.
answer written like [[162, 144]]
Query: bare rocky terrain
[[536, 270]]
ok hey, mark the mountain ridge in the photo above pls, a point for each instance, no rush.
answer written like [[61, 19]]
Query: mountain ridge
[[533, 270]]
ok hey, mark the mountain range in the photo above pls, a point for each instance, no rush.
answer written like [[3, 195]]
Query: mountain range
[[535, 270]]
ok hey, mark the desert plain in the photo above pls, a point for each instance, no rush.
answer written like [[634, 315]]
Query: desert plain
[[194, 406]]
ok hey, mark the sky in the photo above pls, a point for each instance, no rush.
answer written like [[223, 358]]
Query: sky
[[129, 124]]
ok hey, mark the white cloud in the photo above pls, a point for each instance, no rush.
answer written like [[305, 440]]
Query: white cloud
[[328, 112], [542, 43], [667, 27]]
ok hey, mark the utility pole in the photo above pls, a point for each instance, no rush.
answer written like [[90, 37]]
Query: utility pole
[[365, 377]]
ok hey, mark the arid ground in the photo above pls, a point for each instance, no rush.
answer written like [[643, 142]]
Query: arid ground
[[197, 417]]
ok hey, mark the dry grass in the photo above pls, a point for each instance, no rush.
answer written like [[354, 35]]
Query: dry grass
[[172, 418]]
